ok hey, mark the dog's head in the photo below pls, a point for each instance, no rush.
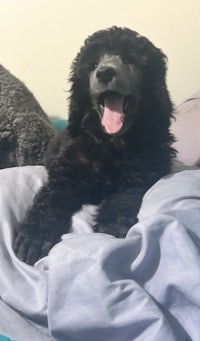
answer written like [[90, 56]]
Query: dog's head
[[114, 90], [118, 77]]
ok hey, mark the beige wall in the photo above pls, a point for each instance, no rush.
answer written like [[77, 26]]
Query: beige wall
[[39, 39]]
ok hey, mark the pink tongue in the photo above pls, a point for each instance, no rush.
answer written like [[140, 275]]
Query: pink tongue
[[113, 114]]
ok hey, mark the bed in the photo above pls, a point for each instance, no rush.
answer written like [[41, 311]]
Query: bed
[[94, 287]]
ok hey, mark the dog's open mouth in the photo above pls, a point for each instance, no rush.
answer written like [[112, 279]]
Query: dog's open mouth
[[112, 108]]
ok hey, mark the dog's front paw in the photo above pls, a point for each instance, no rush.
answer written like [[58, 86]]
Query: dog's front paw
[[29, 248]]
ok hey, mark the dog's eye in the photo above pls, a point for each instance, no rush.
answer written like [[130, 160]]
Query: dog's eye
[[129, 59], [93, 66]]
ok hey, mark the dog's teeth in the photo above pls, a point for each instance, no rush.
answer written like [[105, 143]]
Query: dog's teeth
[[101, 108], [125, 106]]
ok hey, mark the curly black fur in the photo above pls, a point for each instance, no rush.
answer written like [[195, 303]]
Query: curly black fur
[[109, 163]]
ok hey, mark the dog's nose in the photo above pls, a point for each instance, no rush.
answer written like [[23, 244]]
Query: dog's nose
[[105, 74]]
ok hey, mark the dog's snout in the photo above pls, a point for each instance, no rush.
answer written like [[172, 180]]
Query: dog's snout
[[105, 74]]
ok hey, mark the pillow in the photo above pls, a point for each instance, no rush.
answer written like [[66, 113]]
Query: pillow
[[186, 130]]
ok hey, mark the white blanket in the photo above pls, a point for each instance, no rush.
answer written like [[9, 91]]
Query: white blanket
[[94, 287]]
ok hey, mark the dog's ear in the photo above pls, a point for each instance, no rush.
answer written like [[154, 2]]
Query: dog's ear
[[155, 92], [79, 99]]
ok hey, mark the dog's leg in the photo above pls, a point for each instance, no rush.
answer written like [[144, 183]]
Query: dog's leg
[[45, 222], [118, 213]]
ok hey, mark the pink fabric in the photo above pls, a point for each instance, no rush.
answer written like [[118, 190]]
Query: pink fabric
[[186, 129]]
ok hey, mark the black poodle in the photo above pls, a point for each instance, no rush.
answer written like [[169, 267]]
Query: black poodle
[[116, 146]]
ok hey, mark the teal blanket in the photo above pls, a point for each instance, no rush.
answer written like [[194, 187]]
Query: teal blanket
[[59, 124], [3, 338]]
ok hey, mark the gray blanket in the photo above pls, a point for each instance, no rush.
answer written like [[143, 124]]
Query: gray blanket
[[94, 287]]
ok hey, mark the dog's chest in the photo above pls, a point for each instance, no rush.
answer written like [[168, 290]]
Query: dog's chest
[[105, 165]]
